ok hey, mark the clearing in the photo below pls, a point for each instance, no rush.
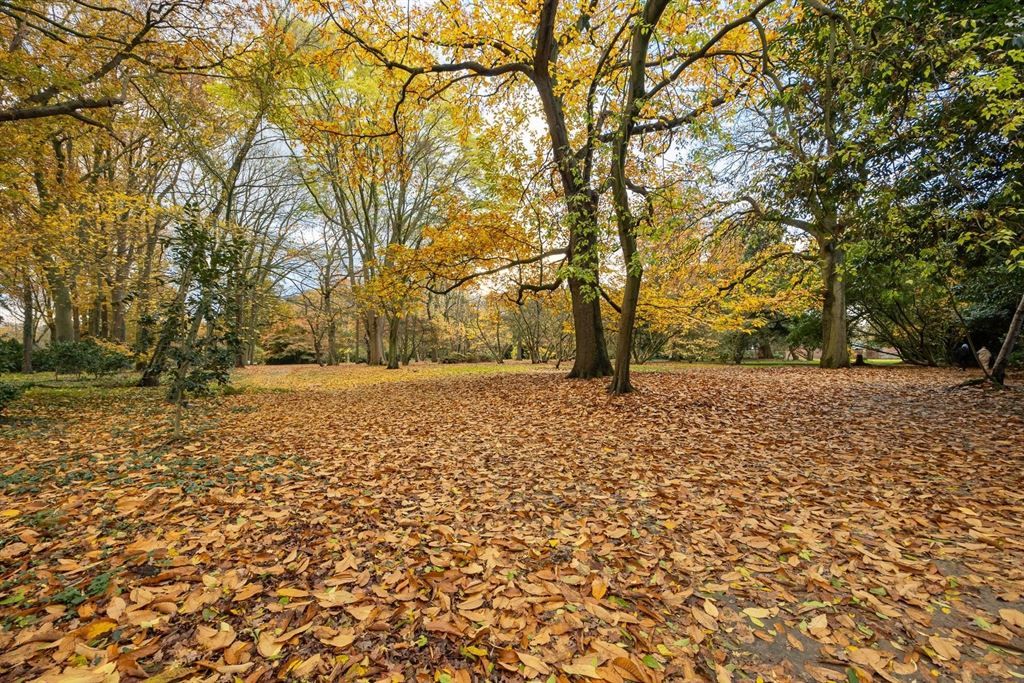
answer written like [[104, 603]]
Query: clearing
[[458, 523]]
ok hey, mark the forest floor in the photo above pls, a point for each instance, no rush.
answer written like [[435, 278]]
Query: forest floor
[[464, 523]]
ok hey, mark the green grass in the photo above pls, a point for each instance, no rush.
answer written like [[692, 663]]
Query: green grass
[[83, 381]]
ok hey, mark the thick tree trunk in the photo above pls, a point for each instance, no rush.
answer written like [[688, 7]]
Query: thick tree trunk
[[835, 351], [118, 324], [591, 351], [393, 338], [1003, 357], [28, 324], [375, 339], [63, 311]]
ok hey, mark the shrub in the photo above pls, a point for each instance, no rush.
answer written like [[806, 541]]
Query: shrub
[[10, 355], [97, 357], [289, 354], [8, 392]]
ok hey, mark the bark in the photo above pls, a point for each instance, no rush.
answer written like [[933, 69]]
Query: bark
[[835, 351], [624, 217], [591, 351], [27, 326], [239, 325], [118, 324], [393, 339], [374, 339], [143, 330], [581, 202], [624, 342], [1003, 357], [63, 310], [332, 330]]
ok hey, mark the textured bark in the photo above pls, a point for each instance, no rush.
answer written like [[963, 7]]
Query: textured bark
[[624, 342], [1003, 357], [63, 311], [375, 339], [591, 351], [28, 324], [332, 330], [393, 337], [835, 352]]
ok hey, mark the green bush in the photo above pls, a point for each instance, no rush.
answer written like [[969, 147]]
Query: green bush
[[10, 355], [8, 392], [289, 354], [98, 358]]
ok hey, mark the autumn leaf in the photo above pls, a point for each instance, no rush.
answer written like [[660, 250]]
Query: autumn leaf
[[215, 639], [533, 662], [598, 588]]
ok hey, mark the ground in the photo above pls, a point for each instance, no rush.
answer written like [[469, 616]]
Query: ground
[[457, 523]]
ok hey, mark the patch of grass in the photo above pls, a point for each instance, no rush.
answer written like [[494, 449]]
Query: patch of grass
[[353, 376]]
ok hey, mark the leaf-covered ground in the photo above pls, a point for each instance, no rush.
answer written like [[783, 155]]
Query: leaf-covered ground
[[452, 524]]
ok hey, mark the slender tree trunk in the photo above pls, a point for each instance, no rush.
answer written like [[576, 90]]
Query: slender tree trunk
[[627, 323], [835, 351], [355, 340], [143, 332], [332, 329], [239, 325], [27, 339], [1003, 357], [393, 339]]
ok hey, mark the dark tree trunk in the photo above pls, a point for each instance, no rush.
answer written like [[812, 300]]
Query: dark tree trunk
[[375, 339], [835, 351], [63, 311], [27, 339], [591, 351], [627, 323], [1003, 357], [393, 339]]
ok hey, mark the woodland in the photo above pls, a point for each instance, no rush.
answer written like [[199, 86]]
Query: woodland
[[544, 340]]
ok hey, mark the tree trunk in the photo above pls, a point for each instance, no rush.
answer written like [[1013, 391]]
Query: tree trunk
[[374, 339], [1003, 357], [118, 325], [27, 339], [239, 325], [627, 323], [835, 351], [63, 311], [332, 330], [591, 352], [143, 331], [393, 338]]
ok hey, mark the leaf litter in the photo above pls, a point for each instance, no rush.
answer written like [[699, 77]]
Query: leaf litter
[[722, 524]]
